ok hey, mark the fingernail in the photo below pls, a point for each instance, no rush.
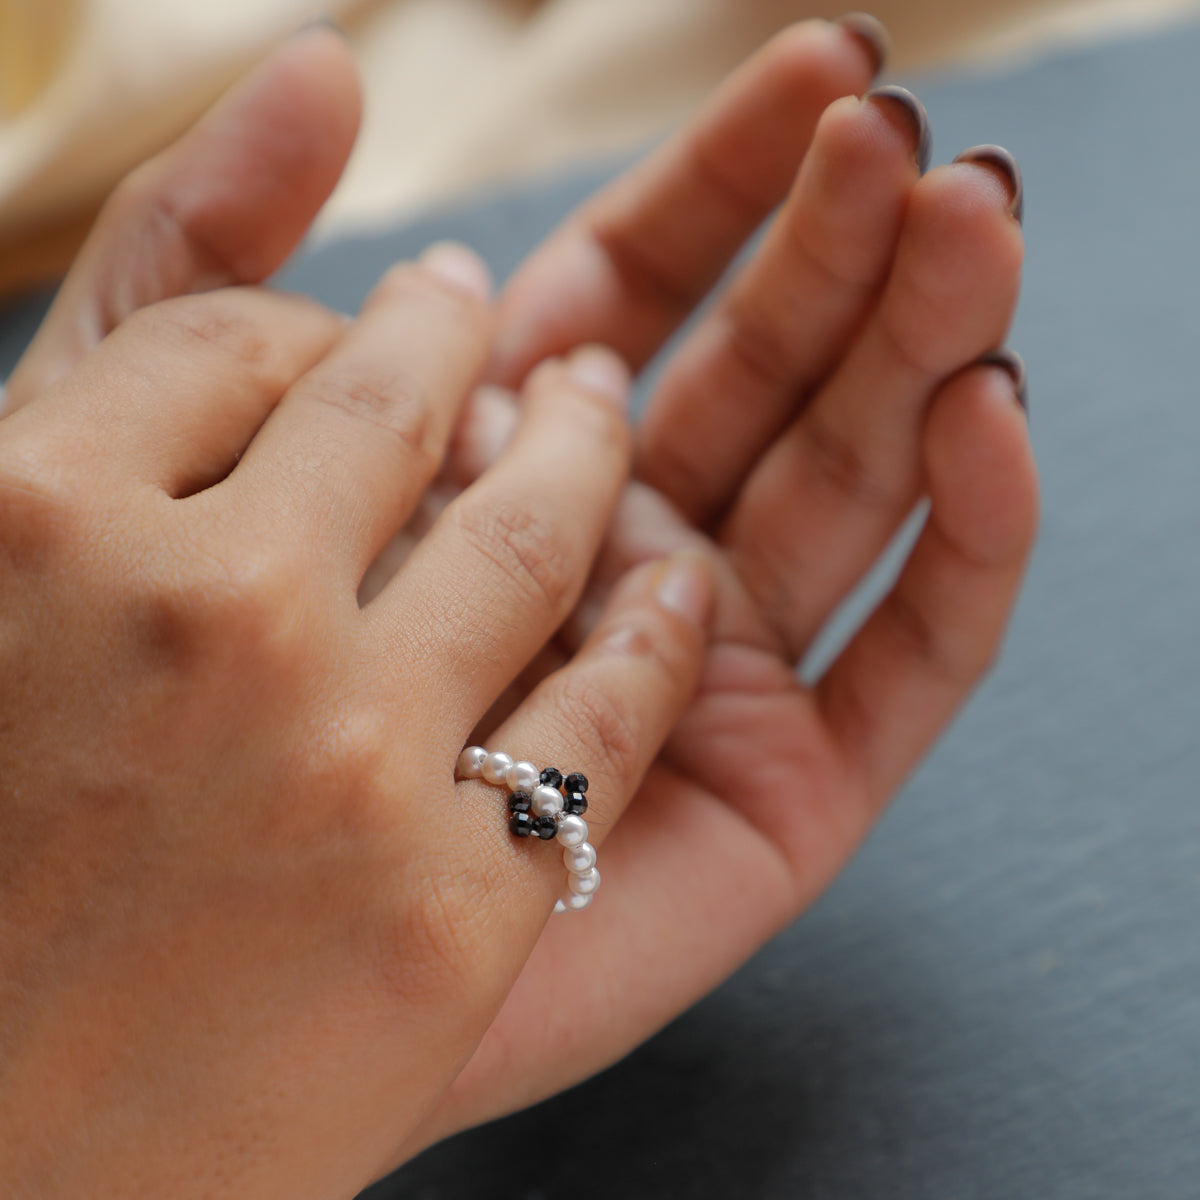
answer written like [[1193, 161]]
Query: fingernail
[[1010, 361], [458, 267], [872, 32], [598, 369], [1003, 161], [685, 586], [919, 118]]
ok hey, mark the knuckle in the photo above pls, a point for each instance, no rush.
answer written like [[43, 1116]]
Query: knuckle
[[671, 651], [725, 185], [759, 341], [145, 210], [847, 468], [395, 405], [830, 245], [605, 723], [526, 547], [958, 665], [649, 274], [213, 324], [243, 608], [42, 508]]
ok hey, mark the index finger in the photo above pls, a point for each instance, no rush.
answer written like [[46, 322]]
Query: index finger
[[630, 265]]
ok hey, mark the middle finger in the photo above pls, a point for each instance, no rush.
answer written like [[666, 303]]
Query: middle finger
[[356, 441], [777, 332]]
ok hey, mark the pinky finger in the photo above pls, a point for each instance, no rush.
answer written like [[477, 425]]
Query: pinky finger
[[607, 713], [901, 680]]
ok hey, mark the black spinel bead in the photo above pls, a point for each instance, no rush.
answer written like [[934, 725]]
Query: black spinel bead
[[545, 828], [576, 783], [521, 824], [519, 802], [551, 777], [576, 804]]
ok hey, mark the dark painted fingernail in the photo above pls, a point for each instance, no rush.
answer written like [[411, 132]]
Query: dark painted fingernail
[[1010, 361], [871, 31], [923, 135], [1002, 160]]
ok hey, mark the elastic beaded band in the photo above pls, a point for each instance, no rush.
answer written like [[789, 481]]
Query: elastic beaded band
[[545, 805]]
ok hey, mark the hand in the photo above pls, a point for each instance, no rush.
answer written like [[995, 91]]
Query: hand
[[767, 788], [845, 372], [250, 928]]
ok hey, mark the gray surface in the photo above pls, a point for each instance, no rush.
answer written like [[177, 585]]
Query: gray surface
[[1001, 997]]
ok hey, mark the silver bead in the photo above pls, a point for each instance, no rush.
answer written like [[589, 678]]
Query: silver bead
[[585, 884], [559, 907], [579, 859], [572, 831], [522, 777], [495, 767], [470, 762], [578, 903], [547, 801]]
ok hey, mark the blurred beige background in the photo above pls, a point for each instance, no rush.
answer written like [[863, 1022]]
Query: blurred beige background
[[459, 92]]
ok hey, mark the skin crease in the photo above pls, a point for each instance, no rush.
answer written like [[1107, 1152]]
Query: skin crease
[[334, 942]]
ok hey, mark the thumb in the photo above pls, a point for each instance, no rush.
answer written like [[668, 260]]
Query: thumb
[[226, 204]]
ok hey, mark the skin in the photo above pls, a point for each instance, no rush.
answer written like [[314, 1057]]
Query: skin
[[849, 340]]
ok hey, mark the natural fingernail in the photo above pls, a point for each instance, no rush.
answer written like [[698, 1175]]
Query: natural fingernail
[[1006, 164], [685, 586], [872, 32], [458, 267], [917, 116], [1010, 361], [599, 370]]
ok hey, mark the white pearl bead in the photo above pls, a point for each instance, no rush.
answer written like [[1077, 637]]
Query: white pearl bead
[[579, 859], [495, 767], [578, 903], [470, 762], [547, 801], [559, 907], [522, 777], [572, 831], [585, 884]]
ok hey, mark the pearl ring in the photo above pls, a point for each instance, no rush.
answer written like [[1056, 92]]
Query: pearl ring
[[543, 804]]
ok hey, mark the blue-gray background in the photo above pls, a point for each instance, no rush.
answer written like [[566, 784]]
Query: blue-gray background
[[1001, 996]]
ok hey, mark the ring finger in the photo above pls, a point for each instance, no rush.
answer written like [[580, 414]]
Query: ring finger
[[505, 563]]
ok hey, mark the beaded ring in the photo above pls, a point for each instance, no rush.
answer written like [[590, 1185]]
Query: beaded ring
[[543, 804]]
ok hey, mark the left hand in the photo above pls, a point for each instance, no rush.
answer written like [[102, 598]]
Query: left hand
[[848, 341]]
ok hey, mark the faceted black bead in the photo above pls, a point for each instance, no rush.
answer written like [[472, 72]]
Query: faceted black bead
[[551, 777], [576, 804], [521, 824], [520, 802], [545, 828], [576, 783]]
